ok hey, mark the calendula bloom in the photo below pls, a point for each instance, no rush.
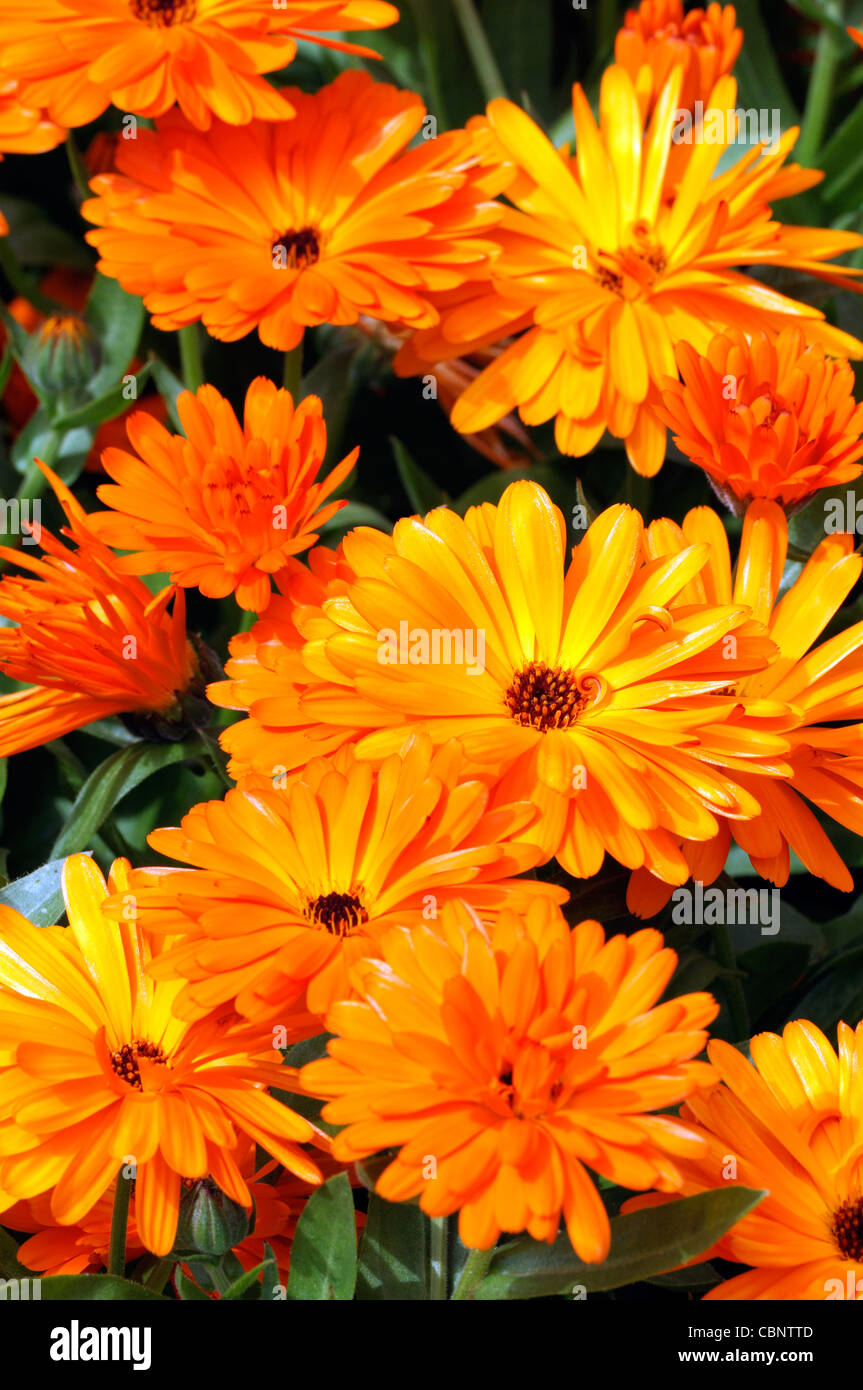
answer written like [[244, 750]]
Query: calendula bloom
[[580, 690], [80, 1248], [605, 267], [91, 641], [769, 416], [314, 220], [23, 128], [792, 1124], [76, 59], [322, 865], [516, 1057], [222, 508], [657, 37], [96, 1067], [820, 688]]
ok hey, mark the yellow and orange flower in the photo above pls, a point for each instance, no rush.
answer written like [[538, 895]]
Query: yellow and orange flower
[[314, 220], [321, 866], [793, 1125], [515, 1057], [96, 1067], [92, 641], [588, 700], [76, 59], [820, 688], [224, 507], [657, 37], [605, 267], [80, 1248], [771, 417], [24, 128]]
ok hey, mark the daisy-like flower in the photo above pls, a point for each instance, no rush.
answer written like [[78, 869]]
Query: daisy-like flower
[[587, 702], [225, 506], [792, 1124], [96, 1067], [515, 1057], [314, 220], [768, 417], [604, 268], [81, 1248], [657, 37], [24, 128], [75, 58], [92, 641], [321, 866], [820, 687]]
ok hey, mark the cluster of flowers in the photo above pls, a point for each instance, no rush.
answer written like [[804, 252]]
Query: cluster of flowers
[[639, 697]]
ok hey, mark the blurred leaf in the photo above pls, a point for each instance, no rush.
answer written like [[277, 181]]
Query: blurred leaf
[[36, 241], [169, 387], [111, 731], [520, 35], [10, 1268], [63, 1288], [117, 319], [757, 70], [324, 1249], [643, 1243], [37, 440], [354, 514], [110, 781], [558, 480], [37, 896], [836, 995], [106, 407], [332, 380], [394, 1254], [423, 493]]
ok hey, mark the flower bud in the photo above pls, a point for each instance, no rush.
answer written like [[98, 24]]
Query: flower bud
[[61, 355], [210, 1223]]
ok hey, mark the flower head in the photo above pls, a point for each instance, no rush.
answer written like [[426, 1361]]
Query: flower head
[[24, 128], [656, 37], [93, 641], [766, 416], [225, 506], [96, 1067], [322, 865], [607, 262], [314, 220], [515, 1057], [589, 700], [792, 1123], [75, 59]]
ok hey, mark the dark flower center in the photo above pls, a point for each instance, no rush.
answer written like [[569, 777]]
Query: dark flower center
[[161, 14], [125, 1060], [296, 250], [545, 697], [848, 1229], [341, 914]]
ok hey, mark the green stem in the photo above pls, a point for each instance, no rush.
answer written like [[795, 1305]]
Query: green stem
[[292, 374], [819, 98], [438, 1253], [484, 62], [213, 749], [80, 172], [737, 1006], [156, 1278], [191, 364], [119, 1221], [474, 1271]]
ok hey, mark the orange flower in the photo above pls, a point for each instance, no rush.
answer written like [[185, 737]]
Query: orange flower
[[75, 59], [23, 128], [80, 1248], [819, 687], [604, 268], [96, 1068], [768, 418], [93, 641], [792, 1123], [322, 866], [314, 220], [588, 700], [657, 37], [223, 508], [514, 1057]]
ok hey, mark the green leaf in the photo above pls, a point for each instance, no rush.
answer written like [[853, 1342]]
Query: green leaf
[[37, 440], [354, 514], [63, 1288], [643, 1243], [332, 380], [169, 387], [324, 1250], [757, 70], [37, 896], [519, 33], [188, 1290], [423, 493], [36, 241], [106, 407], [250, 1278], [394, 1254], [117, 319], [109, 783], [10, 1267]]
